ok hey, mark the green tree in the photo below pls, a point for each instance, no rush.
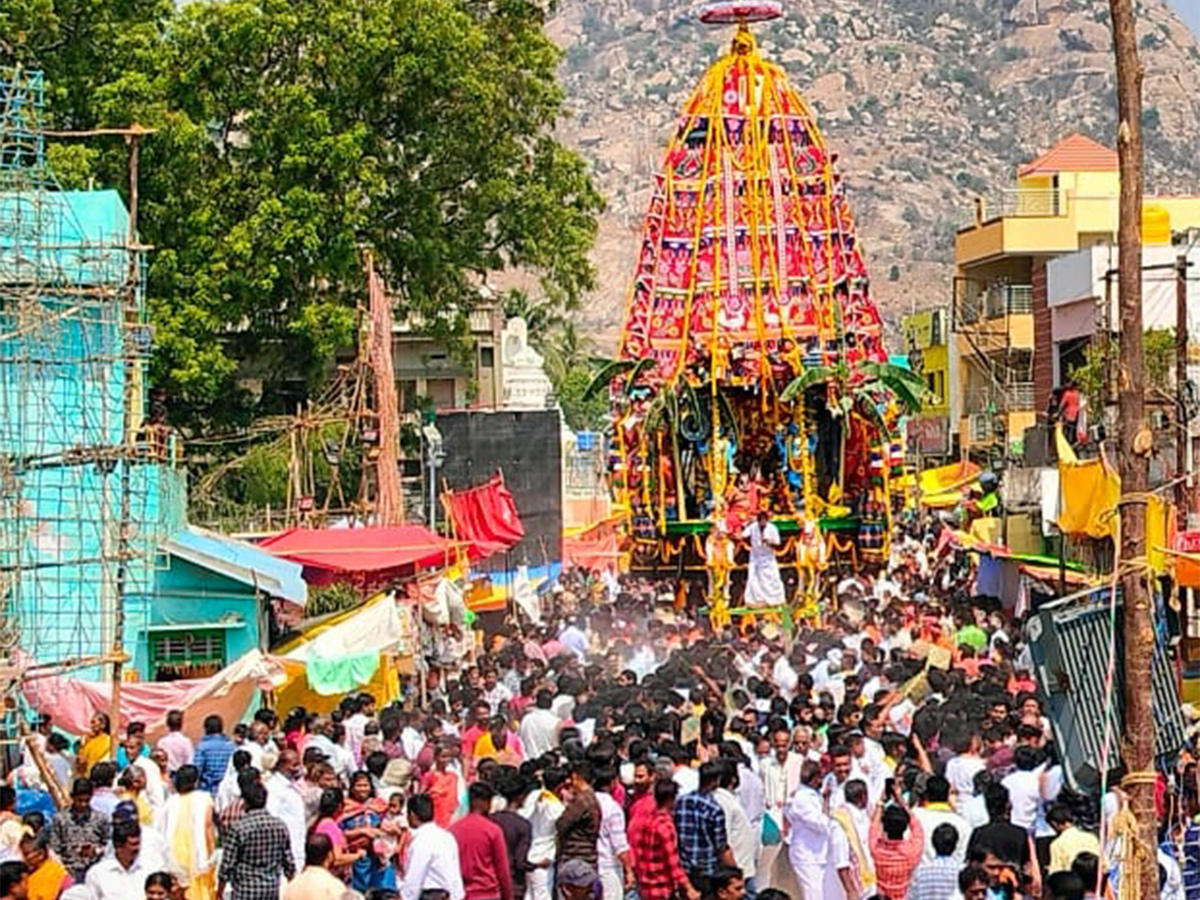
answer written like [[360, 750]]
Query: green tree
[[541, 316], [565, 350], [582, 411], [863, 387], [1094, 375], [292, 133], [1158, 350]]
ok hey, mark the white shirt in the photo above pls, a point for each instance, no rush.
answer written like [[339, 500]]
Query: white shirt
[[1050, 786], [861, 820], [432, 864], [836, 791], [931, 819], [687, 778], [356, 728], [286, 803], [109, 880], [808, 838], [763, 541], [873, 770], [322, 743], [960, 772], [497, 695], [153, 855], [227, 790], [1025, 794], [342, 761], [974, 810], [780, 780], [563, 706], [539, 732], [752, 796], [411, 742], [839, 858], [785, 677], [743, 842], [612, 841], [1173, 887], [257, 751], [544, 810]]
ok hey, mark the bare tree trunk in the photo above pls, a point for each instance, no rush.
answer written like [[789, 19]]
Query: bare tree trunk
[[1133, 453]]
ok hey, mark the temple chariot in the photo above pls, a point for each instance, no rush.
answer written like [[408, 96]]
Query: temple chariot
[[751, 373]]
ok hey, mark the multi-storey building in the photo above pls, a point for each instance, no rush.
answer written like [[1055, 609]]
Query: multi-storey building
[[1064, 201]]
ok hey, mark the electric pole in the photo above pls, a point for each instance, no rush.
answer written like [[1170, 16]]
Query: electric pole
[[1135, 444], [1183, 493]]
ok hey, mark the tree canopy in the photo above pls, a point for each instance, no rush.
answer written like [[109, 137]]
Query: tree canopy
[[293, 133]]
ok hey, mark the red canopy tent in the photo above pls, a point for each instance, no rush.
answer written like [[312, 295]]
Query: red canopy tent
[[485, 516], [367, 555]]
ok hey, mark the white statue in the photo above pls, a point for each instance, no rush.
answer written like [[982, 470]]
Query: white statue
[[525, 383]]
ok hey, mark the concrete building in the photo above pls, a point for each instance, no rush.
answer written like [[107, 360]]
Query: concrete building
[[1064, 201], [427, 368], [933, 355]]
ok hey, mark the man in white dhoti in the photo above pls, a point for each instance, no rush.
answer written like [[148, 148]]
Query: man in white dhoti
[[764, 587], [808, 833]]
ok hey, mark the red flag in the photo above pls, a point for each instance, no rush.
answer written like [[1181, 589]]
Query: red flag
[[486, 516]]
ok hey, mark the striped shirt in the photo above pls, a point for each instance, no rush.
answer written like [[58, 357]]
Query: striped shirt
[[936, 879]]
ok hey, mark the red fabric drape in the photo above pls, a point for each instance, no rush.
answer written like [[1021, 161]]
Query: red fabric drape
[[596, 548], [486, 517]]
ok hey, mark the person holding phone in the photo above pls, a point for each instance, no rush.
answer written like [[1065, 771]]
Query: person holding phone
[[897, 842], [79, 834]]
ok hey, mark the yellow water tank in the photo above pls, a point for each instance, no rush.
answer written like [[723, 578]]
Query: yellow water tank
[[1156, 225]]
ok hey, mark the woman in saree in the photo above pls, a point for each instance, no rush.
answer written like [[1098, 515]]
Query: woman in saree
[[48, 877], [362, 822], [191, 835], [99, 744]]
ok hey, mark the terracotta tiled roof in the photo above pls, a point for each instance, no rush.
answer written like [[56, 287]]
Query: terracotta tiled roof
[[1077, 153]]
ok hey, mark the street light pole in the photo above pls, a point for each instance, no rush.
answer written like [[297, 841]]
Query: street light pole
[[435, 454]]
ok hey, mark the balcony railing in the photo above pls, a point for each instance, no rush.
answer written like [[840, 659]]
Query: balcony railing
[[1020, 396], [1007, 299], [1022, 203], [1017, 396], [970, 309]]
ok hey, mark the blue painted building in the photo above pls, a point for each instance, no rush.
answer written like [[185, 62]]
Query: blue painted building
[[212, 602], [92, 495]]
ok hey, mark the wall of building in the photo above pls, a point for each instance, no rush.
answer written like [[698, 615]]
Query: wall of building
[[1043, 358], [526, 446], [187, 594], [1080, 276]]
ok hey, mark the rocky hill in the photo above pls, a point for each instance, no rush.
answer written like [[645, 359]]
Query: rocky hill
[[928, 103]]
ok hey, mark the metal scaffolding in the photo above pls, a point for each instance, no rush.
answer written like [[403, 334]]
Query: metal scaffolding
[[88, 486]]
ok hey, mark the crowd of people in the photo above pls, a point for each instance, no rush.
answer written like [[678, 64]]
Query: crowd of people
[[623, 748]]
